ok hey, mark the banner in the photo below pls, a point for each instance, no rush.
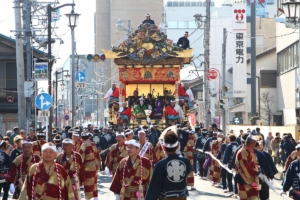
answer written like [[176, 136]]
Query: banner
[[239, 28], [41, 71]]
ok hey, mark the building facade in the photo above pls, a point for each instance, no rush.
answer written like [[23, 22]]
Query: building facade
[[8, 82]]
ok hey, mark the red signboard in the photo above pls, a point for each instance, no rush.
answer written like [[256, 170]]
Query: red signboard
[[212, 74]]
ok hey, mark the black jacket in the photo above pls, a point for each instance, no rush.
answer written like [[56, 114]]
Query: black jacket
[[150, 21], [184, 43]]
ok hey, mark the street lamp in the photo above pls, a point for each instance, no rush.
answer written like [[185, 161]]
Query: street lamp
[[62, 86], [291, 11], [72, 19], [50, 58], [73, 22]]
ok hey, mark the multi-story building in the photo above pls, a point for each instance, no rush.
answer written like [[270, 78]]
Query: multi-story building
[[108, 12], [8, 82]]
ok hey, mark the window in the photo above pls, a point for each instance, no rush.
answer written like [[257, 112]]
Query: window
[[181, 4], [187, 4], [268, 78], [8, 76], [172, 24], [169, 4], [200, 96], [192, 25], [288, 59], [270, 1], [182, 24]]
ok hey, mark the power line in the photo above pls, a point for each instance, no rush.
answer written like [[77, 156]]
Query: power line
[[6, 17], [198, 38]]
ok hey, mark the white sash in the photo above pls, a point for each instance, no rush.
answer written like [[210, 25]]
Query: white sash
[[144, 149]]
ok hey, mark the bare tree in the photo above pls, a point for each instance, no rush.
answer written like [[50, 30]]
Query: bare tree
[[266, 107]]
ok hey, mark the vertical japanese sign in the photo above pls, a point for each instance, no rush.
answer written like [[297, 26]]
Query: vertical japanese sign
[[239, 28]]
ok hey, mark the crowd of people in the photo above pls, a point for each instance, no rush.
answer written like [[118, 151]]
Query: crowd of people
[[146, 163]]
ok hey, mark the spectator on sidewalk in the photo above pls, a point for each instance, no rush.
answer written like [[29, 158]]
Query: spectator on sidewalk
[[268, 147], [238, 140], [16, 132], [275, 148], [287, 146], [258, 133]]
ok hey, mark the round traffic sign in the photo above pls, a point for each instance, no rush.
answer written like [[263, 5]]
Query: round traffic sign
[[67, 117], [212, 74], [66, 111]]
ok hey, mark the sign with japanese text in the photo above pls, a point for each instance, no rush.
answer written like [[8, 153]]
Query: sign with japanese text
[[239, 28]]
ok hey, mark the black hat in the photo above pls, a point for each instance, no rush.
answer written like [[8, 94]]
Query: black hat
[[214, 126]]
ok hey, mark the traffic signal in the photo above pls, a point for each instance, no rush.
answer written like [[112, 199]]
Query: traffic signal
[[95, 57], [222, 104]]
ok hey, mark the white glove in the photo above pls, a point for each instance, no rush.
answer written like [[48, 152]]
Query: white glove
[[283, 192], [107, 171], [272, 181], [117, 196], [12, 188]]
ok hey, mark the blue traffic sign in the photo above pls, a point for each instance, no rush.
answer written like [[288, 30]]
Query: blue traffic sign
[[43, 101], [67, 117], [80, 76]]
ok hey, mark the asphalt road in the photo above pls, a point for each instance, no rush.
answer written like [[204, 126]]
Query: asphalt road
[[204, 190]]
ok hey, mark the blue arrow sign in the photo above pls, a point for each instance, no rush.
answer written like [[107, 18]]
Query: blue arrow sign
[[43, 101], [80, 76]]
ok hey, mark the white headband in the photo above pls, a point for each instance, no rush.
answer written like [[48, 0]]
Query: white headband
[[26, 142], [65, 141], [47, 146], [260, 142], [77, 130], [75, 134], [170, 145]]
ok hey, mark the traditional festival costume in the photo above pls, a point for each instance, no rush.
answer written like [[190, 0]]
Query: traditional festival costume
[[52, 184], [92, 161], [247, 168], [37, 145], [115, 155], [159, 153], [215, 170], [186, 94], [290, 159], [74, 168], [112, 95], [131, 180], [188, 153], [171, 113], [124, 112], [147, 151], [77, 145], [19, 169]]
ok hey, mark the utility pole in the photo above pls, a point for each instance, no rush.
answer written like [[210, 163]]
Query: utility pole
[[207, 111], [73, 76], [224, 78], [252, 20], [49, 70], [20, 66], [28, 55]]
